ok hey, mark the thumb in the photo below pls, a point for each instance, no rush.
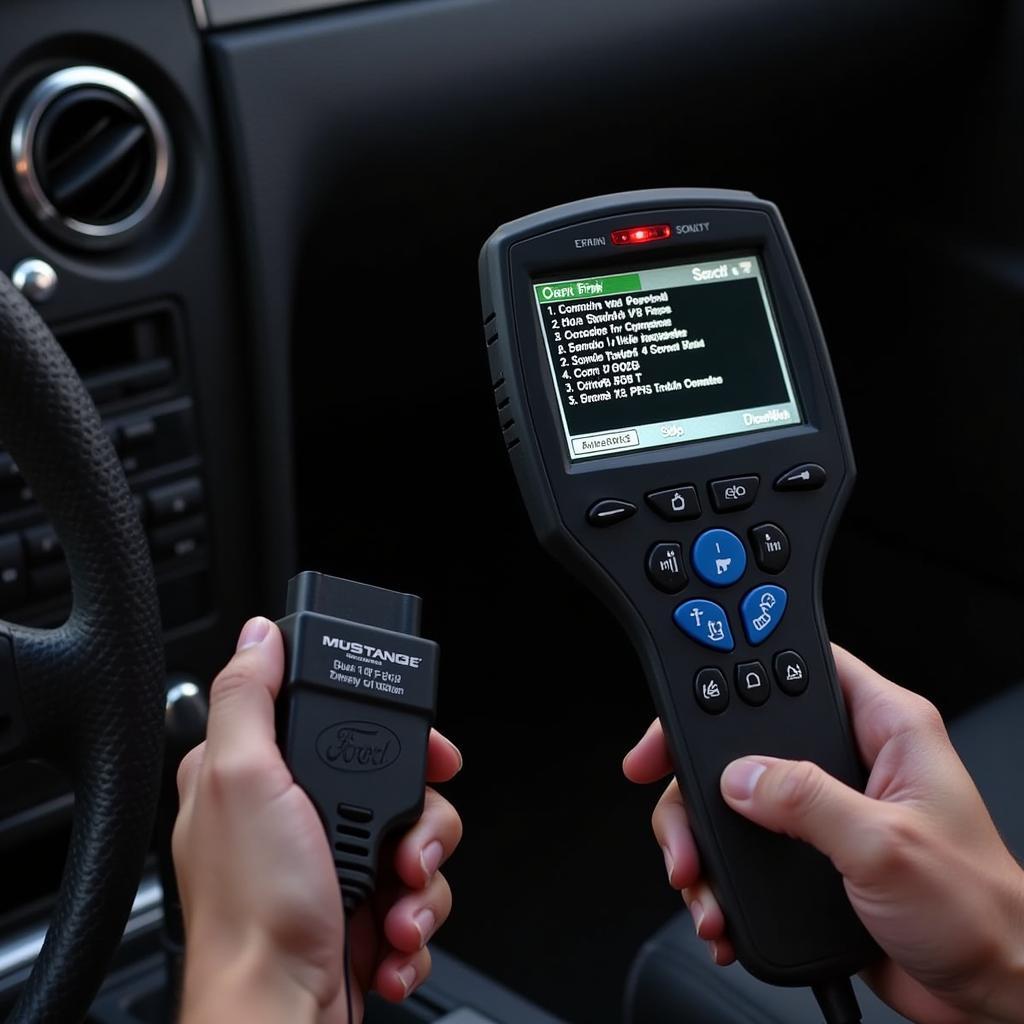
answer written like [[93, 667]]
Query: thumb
[[803, 801], [242, 696]]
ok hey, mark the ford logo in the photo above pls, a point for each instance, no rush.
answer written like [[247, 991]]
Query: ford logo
[[358, 747]]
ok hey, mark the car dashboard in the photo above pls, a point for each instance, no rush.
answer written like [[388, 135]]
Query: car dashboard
[[264, 268]]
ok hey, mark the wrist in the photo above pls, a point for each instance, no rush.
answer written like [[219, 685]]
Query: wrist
[[1001, 997], [245, 980]]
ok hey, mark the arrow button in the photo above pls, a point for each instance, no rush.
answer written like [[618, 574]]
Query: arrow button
[[808, 477]]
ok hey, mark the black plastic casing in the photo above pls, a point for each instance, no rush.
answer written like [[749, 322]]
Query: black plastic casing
[[787, 911], [354, 715]]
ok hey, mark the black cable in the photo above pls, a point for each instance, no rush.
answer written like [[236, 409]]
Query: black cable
[[838, 1001], [348, 972]]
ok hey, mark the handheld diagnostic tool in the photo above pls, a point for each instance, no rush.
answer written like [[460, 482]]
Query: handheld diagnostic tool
[[670, 412]]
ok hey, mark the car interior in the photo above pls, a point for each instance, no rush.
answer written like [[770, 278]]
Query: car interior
[[253, 228]]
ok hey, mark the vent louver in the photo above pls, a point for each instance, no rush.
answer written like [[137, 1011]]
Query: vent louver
[[91, 155]]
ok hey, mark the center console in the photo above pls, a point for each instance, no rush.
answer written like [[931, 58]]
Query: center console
[[135, 366], [115, 222]]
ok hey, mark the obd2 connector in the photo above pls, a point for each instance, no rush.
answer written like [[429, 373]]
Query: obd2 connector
[[354, 715]]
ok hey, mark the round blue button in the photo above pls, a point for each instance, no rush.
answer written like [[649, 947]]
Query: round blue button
[[719, 557]]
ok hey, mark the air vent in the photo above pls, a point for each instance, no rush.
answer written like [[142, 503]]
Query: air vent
[[91, 155]]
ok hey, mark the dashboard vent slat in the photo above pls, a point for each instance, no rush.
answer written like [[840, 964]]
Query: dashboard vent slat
[[114, 150]]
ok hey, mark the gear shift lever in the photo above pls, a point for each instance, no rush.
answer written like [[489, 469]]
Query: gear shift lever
[[185, 727]]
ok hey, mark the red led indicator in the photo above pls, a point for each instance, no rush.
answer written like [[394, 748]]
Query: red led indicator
[[641, 234]]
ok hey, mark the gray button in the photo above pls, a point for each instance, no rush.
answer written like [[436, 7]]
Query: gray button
[[711, 691], [752, 683], [808, 477], [665, 567], [790, 673], [771, 547], [675, 503], [175, 500], [734, 493], [609, 511]]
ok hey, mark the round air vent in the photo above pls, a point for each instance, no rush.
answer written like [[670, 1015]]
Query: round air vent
[[91, 155]]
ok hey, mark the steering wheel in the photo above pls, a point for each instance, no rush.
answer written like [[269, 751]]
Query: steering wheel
[[89, 694]]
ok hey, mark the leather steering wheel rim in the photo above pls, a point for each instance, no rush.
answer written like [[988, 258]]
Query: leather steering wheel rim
[[89, 694]]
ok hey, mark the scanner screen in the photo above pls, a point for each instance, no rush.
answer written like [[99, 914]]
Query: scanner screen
[[664, 356]]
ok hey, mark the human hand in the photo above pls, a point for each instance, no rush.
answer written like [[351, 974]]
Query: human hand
[[265, 928], [922, 862]]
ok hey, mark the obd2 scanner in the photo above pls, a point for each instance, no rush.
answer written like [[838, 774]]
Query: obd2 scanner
[[670, 412]]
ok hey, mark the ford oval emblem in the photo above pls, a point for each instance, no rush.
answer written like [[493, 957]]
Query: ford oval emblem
[[358, 747]]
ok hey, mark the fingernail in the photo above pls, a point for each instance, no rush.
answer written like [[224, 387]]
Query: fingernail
[[669, 862], [407, 976], [697, 913], [740, 778], [425, 921], [458, 752], [431, 857], [253, 632]]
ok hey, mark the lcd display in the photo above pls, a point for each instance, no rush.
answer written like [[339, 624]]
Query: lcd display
[[665, 356]]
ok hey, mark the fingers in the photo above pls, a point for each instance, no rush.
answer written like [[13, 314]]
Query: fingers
[[429, 843], [708, 919], [399, 974], [188, 772], [672, 830], [241, 755], [411, 923], [242, 695], [801, 800], [722, 952], [879, 709], [649, 760], [247, 680], [444, 759], [415, 916], [709, 922]]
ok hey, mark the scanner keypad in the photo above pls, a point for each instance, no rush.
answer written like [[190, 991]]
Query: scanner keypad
[[725, 559], [721, 559]]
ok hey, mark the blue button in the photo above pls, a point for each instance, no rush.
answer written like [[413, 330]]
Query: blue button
[[705, 622], [762, 610], [719, 557]]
